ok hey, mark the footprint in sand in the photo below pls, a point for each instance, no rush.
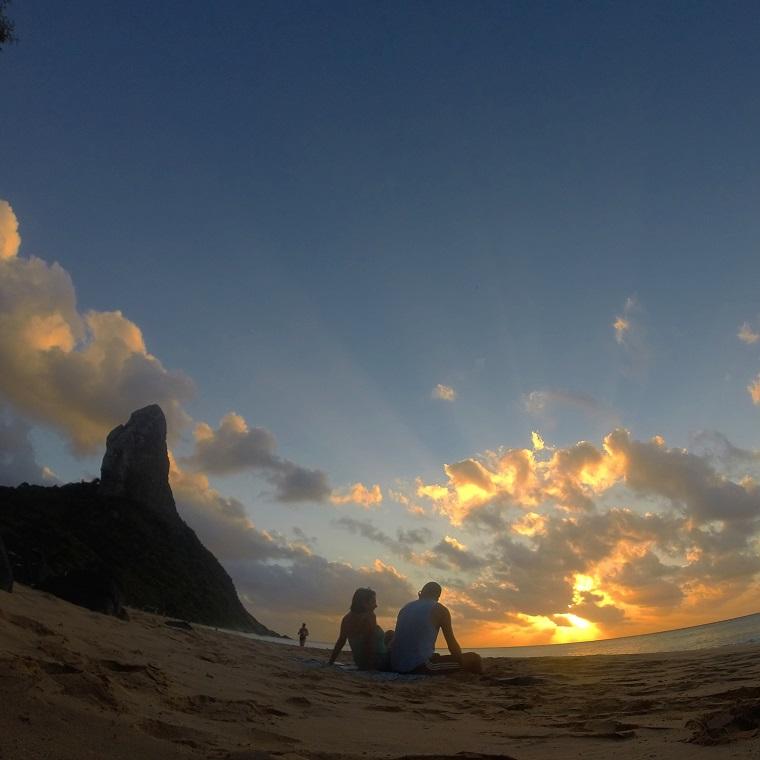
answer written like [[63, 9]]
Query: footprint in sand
[[740, 721], [223, 710], [299, 701], [437, 714], [136, 675], [608, 729], [29, 625], [123, 667], [88, 687], [458, 756], [386, 708], [159, 729], [59, 668], [518, 681]]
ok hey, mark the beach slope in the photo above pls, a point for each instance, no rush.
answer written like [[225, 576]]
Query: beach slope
[[79, 684]]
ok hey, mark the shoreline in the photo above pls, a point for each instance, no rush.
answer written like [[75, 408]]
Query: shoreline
[[724, 633], [79, 684]]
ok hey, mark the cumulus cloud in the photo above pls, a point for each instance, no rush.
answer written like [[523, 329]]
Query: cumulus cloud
[[235, 447], [509, 477], [232, 447], [359, 494], [223, 524], [719, 450], [630, 335], [621, 326], [278, 579], [451, 554], [18, 463], [78, 373], [747, 334], [754, 390], [444, 392], [293, 483], [574, 476], [314, 584], [448, 554], [562, 561], [646, 582], [564, 566], [590, 607], [530, 524], [402, 544], [623, 322], [315, 589], [580, 574], [550, 549], [544, 404], [403, 495], [689, 482], [9, 237]]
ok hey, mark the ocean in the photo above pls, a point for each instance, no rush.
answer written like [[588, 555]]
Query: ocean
[[741, 630]]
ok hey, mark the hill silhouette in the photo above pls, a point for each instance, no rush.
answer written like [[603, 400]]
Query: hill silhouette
[[122, 533]]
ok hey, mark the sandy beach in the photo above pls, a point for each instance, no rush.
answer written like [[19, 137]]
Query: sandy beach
[[77, 684]]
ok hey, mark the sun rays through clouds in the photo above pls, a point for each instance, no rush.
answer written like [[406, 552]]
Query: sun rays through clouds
[[590, 541], [535, 543]]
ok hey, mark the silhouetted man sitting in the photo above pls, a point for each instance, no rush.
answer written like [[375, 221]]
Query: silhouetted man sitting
[[413, 646]]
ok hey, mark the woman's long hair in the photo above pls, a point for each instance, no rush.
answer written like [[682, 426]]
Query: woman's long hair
[[361, 598]]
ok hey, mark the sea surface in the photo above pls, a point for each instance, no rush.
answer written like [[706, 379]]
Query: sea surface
[[741, 630]]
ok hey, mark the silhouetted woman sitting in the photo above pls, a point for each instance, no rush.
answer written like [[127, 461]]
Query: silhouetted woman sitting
[[369, 644]]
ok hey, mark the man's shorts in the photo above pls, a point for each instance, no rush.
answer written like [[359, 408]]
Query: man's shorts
[[439, 664]]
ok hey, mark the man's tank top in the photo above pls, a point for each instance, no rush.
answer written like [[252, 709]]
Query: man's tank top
[[414, 640]]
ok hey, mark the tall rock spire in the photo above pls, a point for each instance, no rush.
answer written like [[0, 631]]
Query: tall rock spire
[[136, 463]]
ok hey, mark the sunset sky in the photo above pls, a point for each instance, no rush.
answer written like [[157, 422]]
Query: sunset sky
[[464, 291]]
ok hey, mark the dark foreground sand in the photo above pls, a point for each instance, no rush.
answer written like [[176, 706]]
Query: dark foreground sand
[[78, 685]]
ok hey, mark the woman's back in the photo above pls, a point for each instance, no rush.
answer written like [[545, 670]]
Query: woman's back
[[366, 639], [370, 652], [359, 627]]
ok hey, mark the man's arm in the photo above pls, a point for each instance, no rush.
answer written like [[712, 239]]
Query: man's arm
[[444, 621]]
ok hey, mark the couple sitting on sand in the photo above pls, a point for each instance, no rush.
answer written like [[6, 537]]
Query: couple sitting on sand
[[411, 647]]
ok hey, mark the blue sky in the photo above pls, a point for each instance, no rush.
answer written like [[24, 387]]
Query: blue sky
[[319, 212]]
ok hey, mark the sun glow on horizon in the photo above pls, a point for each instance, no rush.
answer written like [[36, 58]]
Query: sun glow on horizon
[[577, 629], [531, 630]]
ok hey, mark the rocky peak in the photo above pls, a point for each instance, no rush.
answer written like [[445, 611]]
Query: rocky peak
[[136, 463]]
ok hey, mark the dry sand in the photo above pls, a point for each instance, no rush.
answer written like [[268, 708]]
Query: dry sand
[[75, 684]]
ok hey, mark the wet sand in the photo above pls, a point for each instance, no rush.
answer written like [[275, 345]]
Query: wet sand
[[79, 685]]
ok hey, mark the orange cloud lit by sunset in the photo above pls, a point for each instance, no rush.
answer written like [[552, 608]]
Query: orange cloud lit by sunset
[[517, 476], [551, 543], [379, 363], [522, 629], [636, 571], [359, 494], [82, 374]]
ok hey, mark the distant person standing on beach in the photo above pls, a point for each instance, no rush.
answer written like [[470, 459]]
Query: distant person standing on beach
[[303, 632], [413, 645]]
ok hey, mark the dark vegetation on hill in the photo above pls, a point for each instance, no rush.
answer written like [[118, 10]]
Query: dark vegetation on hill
[[85, 540], [159, 566]]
